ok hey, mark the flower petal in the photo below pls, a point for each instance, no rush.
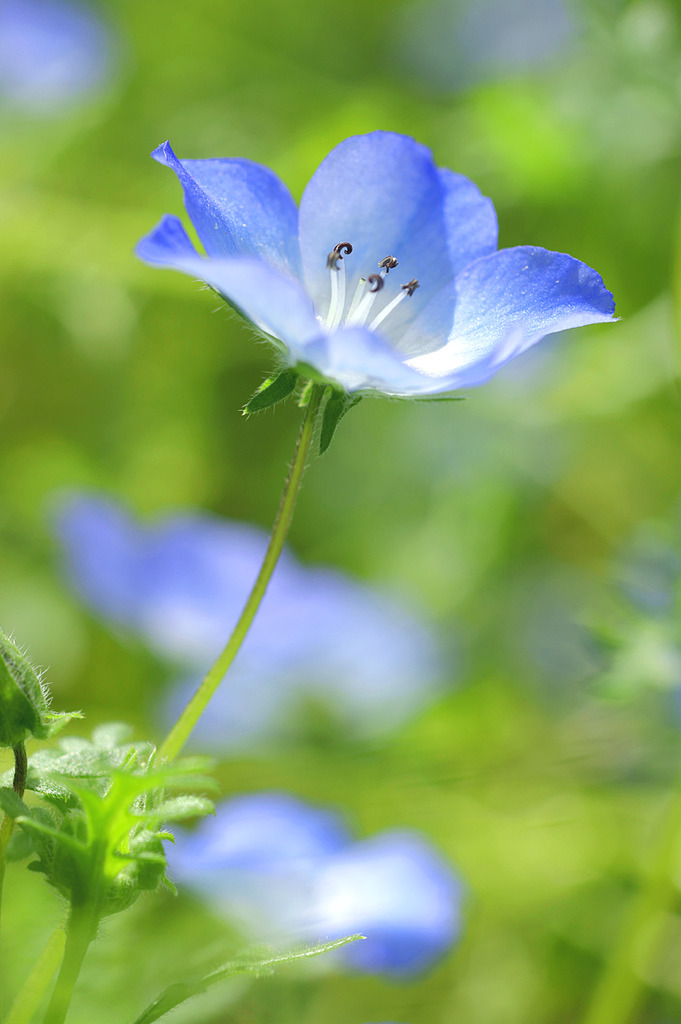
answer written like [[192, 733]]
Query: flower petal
[[382, 193], [360, 360], [470, 220], [271, 300], [101, 543], [239, 208], [395, 889], [503, 304]]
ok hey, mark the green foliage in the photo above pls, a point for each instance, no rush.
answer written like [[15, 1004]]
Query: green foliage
[[24, 699], [275, 389], [98, 833], [257, 965], [501, 516], [337, 404]]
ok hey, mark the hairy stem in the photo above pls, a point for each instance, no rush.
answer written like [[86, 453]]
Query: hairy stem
[[197, 705], [80, 931], [620, 989]]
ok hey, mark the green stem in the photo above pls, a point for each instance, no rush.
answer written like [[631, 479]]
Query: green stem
[[29, 998], [197, 705], [620, 989], [80, 931], [7, 826]]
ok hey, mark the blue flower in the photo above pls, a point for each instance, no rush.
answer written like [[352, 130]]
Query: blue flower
[[387, 279], [319, 636], [288, 871], [450, 46], [51, 53]]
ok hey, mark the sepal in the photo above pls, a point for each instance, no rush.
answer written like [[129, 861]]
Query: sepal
[[24, 702], [25, 699], [275, 389], [337, 404]]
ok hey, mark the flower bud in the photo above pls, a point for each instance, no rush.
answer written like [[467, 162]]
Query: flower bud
[[23, 698]]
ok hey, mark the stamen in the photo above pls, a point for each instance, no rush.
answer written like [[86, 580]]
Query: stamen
[[356, 297], [336, 310], [389, 262], [336, 254], [334, 262], [407, 289], [359, 316]]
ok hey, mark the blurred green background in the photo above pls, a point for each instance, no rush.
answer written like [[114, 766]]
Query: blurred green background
[[543, 775]]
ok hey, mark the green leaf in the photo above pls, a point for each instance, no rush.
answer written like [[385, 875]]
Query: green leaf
[[11, 803], [180, 991], [274, 389], [102, 838], [32, 824], [59, 719], [23, 700], [337, 404], [178, 808]]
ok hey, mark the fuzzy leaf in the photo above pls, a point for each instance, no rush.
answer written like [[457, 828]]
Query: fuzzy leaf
[[11, 803], [32, 824], [23, 700], [102, 837], [274, 389], [337, 404], [178, 808], [180, 991]]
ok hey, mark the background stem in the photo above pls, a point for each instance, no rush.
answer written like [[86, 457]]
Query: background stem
[[28, 1000], [620, 989], [197, 705]]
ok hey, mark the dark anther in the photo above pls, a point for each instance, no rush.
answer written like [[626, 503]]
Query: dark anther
[[411, 287], [337, 254], [389, 262], [375, 282]]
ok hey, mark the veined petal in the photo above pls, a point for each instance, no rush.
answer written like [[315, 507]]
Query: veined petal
[[470, 220], [382, 193], [503, 304], [270, 299], [239, 208], [358, 359]]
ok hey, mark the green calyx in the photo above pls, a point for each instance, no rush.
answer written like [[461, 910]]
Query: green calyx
[[24, 699], [97, 834]]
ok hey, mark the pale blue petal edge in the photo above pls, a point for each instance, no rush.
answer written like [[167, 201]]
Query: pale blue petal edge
[[470, 220], [360, 360], [274, 302], [503, 304], [239, 208]]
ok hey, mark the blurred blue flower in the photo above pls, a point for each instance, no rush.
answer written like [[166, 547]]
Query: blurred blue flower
[[454, 312], [52, 52], [285, 870], [319, 636], [450, 44]]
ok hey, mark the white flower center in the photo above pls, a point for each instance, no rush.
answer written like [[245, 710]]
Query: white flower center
[[366, 291]]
